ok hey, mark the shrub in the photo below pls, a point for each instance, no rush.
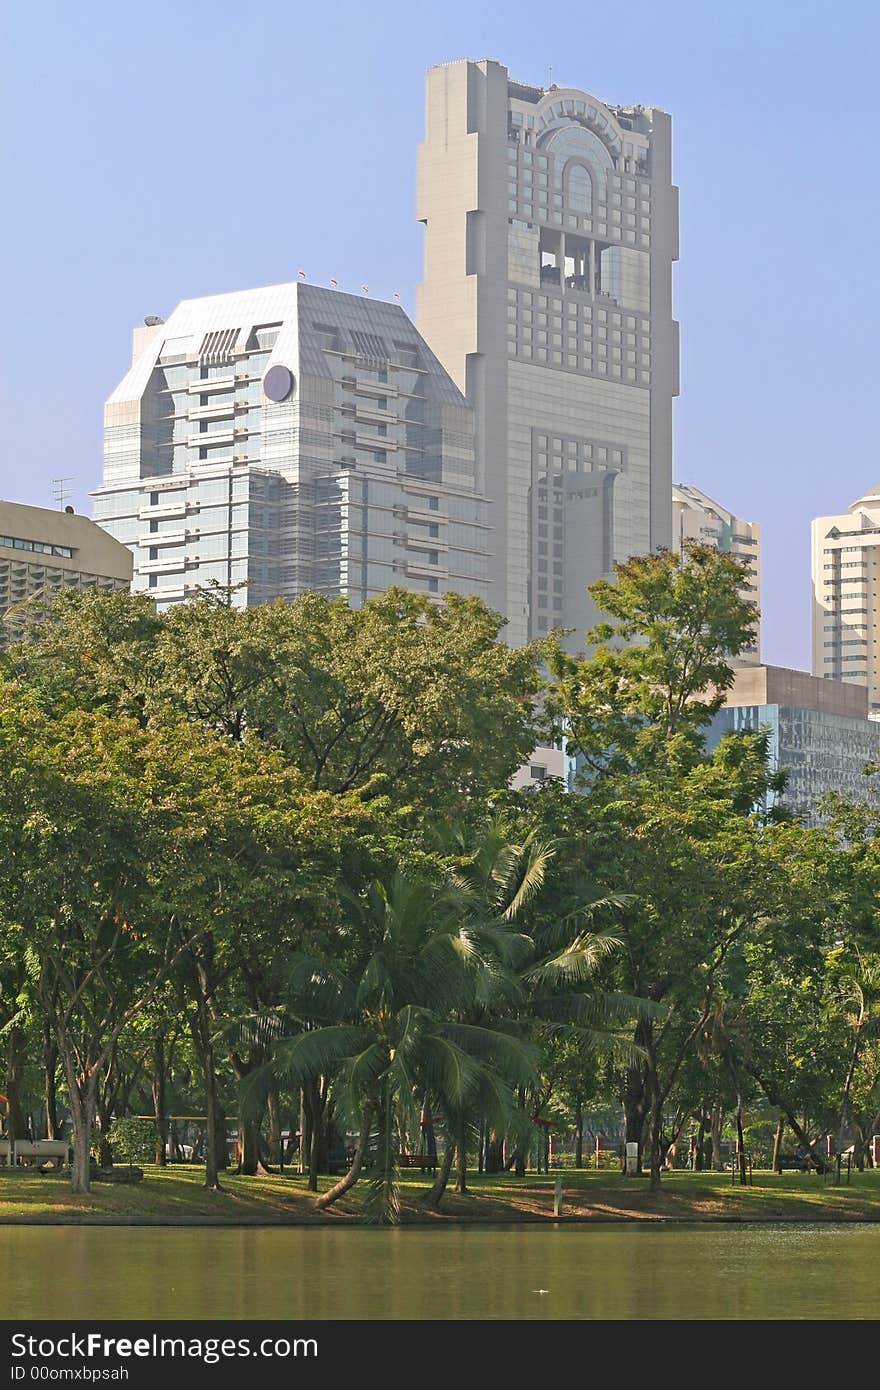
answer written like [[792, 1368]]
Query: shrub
[[133, 1140]]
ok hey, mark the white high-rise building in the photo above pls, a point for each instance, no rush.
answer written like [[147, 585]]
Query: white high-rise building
[[288, 439], [697, 517], [551, 227], [846, 596]]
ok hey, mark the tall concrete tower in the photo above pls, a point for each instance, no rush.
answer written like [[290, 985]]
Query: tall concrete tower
[[551, 226]]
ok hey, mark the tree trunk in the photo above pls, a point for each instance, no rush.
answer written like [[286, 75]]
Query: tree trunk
[[249, 1162], [157, 1086], [699, 1155], [250, 1151], [81, 1099], [303, 1138], [740, 1142], [104, 1118], [654, 1100], [52, 1125], [777, 1142], [349, 1179], [461, 1164], [433, 1197], [656, 1135], [635, 1094], [494, 1152], [843, 1139], [15, 1063], [274, 1109], [212, 1179], [50, 1067], [715, 1122], [429, 1137], [578, 1135], [315, 1094]]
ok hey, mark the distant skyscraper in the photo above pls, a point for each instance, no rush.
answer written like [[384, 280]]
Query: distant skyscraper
[[43, 552], [696, 517], [291, 438], [551, 226], [846, 595]]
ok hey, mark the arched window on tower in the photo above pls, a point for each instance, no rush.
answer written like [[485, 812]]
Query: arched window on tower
[[580, 189]]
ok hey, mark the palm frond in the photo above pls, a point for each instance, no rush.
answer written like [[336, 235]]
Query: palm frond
[[576, 962], [317, 1052]]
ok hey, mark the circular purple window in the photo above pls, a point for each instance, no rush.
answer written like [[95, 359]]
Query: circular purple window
[[278, 382]]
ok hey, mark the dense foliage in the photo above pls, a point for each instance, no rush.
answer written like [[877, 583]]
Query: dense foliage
[[261, 867]]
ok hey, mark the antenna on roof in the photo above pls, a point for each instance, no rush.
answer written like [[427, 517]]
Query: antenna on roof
[[365, 288], [549, 76], [301, 274], [397, 296], [334, 284], [60, 492]]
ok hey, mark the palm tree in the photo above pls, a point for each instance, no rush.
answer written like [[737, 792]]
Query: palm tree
[[388, 1030], [499, 882], [856, 997]]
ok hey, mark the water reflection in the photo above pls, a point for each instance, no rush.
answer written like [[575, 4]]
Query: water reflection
[[459, 1272]]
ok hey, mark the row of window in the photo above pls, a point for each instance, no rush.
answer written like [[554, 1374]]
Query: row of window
[[41, 547]]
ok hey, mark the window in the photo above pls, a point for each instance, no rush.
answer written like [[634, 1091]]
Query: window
[[580, 189], [154, 526], [154, 499], [153, 581], [433, 529], [154, 552], [433, 503], [433, 557], [538, 772], [433, 586]]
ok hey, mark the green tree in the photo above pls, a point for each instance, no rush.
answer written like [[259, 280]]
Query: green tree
[[387, 1030], [660, 820], [660, 665]]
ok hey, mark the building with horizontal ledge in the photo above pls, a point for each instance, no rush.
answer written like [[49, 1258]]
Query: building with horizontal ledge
[[287, 439], [45, 552], [551, 228], [697, 518], [846, 596]]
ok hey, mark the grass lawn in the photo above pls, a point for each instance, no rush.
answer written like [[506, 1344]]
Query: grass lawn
[[175, 1195]]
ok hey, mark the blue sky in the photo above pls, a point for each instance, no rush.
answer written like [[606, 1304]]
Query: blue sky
[[156, 152]]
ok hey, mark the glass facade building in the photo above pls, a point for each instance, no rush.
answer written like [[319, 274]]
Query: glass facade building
[[289, 439], [819, 732], [821, 752], [551, 227]]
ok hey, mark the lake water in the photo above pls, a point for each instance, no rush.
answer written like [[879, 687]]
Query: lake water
[[613, 1271]]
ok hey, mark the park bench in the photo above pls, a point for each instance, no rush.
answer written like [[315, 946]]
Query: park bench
[[801, 1163], [420, 1161]]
